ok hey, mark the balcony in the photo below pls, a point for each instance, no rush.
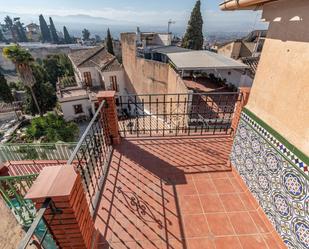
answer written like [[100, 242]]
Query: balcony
[[154, 187]]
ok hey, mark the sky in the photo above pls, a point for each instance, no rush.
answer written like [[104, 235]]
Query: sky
[[145, 12]]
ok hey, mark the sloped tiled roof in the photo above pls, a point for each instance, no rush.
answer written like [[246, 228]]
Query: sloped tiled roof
[[94, 57], [112, 66]]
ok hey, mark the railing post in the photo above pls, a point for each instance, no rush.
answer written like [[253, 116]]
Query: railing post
[[244, 97], [74, 227], [111, 114]]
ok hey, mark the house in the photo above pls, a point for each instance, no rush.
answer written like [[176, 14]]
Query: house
[[247, 50], [33, 32], [244, 185], [154, 65], [95, 69], [274, 129], [249, 46]]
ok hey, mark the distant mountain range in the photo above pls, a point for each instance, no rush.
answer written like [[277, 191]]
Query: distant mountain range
[[99, 25]]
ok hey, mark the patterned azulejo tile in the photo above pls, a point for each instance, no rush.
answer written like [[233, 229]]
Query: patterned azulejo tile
[[276, 179]]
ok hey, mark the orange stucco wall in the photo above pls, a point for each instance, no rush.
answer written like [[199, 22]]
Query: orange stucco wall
[[147, 76], [280, 93]]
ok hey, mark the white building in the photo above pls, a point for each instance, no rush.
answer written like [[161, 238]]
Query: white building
[[95, 69]]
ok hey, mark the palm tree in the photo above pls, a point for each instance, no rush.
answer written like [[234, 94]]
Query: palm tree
[[22, 60]]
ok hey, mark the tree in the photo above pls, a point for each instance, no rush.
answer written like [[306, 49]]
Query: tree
[[2, 38], [9, 25], [20, 30], [43, 90], [67, 37], [52, 128], [5, 91], [46, 37], [22, 60], [193, 38], [58, 65], [109, 42], [53, 31], [86, 34]]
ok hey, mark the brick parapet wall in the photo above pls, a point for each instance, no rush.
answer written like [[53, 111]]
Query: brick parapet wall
[[74, 227], [245, 93], [111, 114]]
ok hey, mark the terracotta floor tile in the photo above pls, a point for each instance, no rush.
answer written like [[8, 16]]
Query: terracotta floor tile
[[205, 186], [149, 244], [201, 176], [175, 244], [246, 201], [261, 226], [223, 185], [149, 231], [218, 175], [163, 196], [174, 228], [211, 203], [195, 226], [186, 189], [190, 205], [203, 243], [242, 223], [272, 242], [236, 185], [232, 202], [219, 224], [228, 242], [124, 230], [252, 242]]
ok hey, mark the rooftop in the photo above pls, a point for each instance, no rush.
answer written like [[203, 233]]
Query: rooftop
[[154, 187], [169, 49], [95, 57], [202, 60], [178, 193], [203, 85]]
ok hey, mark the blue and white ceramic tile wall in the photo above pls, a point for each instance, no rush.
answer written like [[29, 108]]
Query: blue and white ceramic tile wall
[[277, 180]]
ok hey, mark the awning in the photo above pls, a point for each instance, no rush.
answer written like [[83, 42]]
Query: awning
[[203, 60]]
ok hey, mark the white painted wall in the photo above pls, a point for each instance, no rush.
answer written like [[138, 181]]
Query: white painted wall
[[236, 77], [68, 109], [120, 80], [96, 78]]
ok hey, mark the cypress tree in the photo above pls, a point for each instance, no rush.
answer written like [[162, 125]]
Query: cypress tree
[[86, 34], [20, 30], [2, 39], [9, 25], [44, 30], [67, 37], [193, 38], [109, 42], [5, 91], [53, 31]]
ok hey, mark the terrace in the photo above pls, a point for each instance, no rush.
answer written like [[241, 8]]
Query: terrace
[[169, 186]]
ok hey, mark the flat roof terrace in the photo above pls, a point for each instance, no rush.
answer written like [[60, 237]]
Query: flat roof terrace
[[178, 193]]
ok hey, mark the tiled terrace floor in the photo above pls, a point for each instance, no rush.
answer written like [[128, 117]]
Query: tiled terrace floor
[[178, 193]]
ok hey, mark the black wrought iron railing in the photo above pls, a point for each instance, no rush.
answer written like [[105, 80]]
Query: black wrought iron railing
[[177, 114], [39, 235], [92, 156]]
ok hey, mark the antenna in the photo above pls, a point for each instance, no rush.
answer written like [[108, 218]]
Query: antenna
[[170, 22]]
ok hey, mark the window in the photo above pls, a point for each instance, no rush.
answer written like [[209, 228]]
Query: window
[[78, 109], [88, 79], [113, 82]]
